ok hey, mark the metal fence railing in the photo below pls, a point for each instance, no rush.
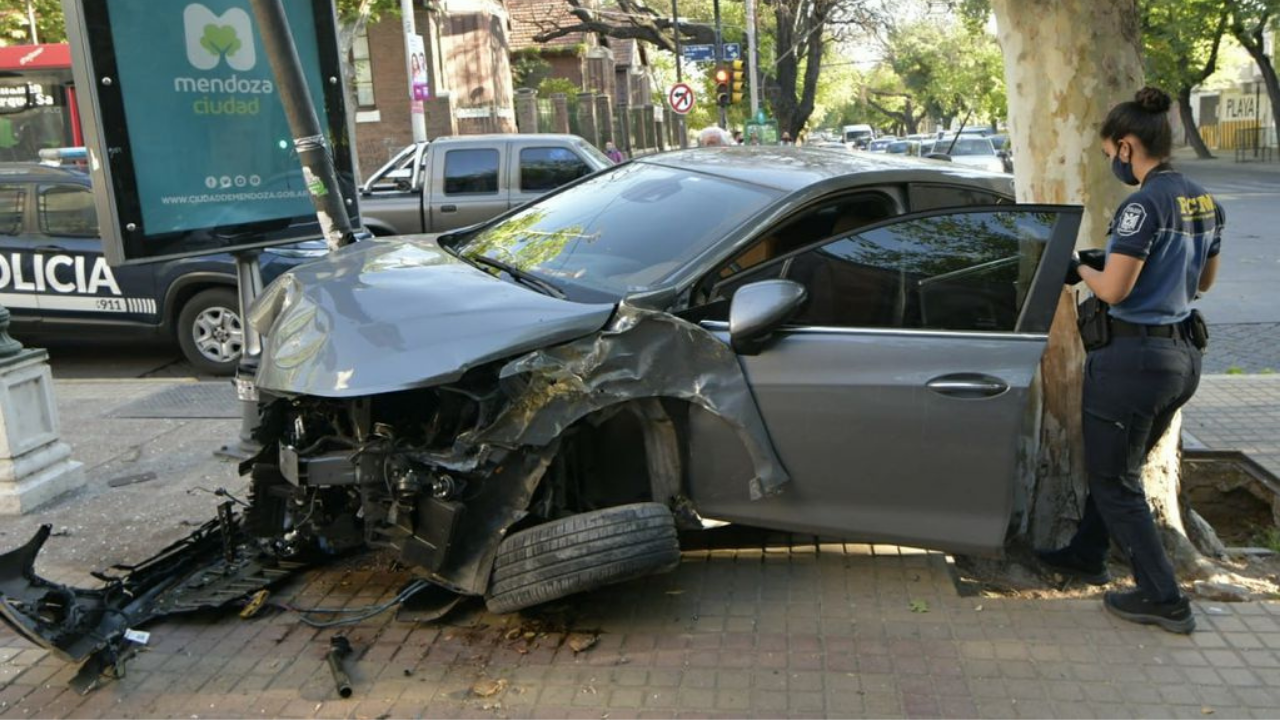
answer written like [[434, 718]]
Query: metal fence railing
[[1253, 144]]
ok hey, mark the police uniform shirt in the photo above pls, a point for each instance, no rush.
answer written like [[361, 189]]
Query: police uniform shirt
[[1174, 225]]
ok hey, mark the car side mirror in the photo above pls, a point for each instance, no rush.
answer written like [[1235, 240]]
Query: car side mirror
[[760, 308]]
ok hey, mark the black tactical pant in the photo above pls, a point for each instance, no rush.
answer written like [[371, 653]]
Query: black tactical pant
[[1132, 389]]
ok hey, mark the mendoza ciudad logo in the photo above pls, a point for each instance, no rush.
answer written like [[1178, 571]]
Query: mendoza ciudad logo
[[221, 42]]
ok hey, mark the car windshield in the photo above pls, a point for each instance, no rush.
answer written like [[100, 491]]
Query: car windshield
[[620, 231], [968, 146], [898, 147]]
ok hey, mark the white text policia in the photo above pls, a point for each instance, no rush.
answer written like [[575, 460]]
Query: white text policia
[[59, 273], [233, 104]]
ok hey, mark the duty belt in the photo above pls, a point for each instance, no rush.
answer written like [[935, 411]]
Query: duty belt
[[1122, 328]]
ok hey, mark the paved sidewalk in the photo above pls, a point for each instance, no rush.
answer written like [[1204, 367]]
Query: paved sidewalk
[[777, 626], [804, 631], [1238, 412]]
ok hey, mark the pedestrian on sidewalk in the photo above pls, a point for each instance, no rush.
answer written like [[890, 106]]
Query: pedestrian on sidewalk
[[1144, 355], [613, 153]]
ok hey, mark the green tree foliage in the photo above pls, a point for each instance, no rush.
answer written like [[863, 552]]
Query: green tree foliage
[[1180, 42], [16, 30], [951, 70]]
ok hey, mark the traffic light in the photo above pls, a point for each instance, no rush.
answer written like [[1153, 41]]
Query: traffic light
[[737, 80], [724, 78]]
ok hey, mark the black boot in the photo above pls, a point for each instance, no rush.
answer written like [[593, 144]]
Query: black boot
[[1133, 606], [1067, 563]]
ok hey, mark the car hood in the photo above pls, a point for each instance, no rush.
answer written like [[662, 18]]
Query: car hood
[[391, 314]]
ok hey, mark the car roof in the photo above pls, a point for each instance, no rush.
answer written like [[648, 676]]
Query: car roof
[[35, 172], [791, 169], [499, 137]]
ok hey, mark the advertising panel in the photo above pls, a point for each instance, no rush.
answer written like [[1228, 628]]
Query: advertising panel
[[191, 152]]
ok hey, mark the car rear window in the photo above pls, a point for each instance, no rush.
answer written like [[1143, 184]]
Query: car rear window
[[13, 200], [68, 211], [547, 168], [471, 172]]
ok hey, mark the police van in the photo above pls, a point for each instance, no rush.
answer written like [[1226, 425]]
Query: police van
[[56, 282]]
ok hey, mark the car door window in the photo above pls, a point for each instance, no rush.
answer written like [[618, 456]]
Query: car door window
[[818, 222], [965, 271], [13, 201], [929, 196], [547, 168], [68, 212], [471, 172]]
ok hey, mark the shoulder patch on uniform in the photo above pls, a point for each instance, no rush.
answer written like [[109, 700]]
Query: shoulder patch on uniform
[[1131, 219]]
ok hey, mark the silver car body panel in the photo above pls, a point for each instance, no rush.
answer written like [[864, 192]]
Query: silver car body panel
[[871, 446]]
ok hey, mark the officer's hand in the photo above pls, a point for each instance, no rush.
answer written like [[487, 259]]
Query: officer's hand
[[1073, 270], [1093, 257]]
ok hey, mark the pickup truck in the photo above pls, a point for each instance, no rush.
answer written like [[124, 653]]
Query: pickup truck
[[453, 182]]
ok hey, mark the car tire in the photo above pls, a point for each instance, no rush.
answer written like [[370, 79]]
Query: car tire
[[582, 552], [211, 332]]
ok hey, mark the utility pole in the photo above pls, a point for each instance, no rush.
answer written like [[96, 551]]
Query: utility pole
[[753, 88], [308, 137], [31, 19], [417, 117], [719, 54], [680, 128]]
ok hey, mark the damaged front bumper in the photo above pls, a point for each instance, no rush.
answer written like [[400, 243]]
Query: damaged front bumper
[[213, 567]]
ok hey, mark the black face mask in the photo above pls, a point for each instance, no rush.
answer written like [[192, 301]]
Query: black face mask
[[1123, 170]]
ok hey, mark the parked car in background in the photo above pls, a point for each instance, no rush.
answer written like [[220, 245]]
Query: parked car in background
[[968, 150], [910, 148], [880, 144], [56, 282], [452, 182], [857, 137], [1004, 150]]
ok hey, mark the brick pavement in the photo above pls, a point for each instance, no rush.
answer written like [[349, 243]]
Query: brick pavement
[[801, 631], [1250, 347], [1238, 412]]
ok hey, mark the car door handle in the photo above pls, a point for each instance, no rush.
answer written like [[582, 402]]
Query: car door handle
[[968, 385], [448, 208]]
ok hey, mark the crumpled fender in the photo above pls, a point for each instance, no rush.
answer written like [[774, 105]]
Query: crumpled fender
[[640, 354]]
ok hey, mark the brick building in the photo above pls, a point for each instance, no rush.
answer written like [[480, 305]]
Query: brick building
[[618, 68], [468, 69]]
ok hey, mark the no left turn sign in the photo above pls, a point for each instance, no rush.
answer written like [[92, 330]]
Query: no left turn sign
[[680, 98]]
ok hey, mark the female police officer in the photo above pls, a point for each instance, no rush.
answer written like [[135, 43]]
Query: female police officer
[[1162, 251]]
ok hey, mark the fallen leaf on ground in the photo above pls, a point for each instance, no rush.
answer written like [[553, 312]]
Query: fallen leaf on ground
[[1206, 711], [582, 641], [919, 606], [977, 608], [488, 687]]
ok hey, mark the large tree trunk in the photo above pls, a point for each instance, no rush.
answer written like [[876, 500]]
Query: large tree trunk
[[1067, 62], [1189, 125], [1253, 43]]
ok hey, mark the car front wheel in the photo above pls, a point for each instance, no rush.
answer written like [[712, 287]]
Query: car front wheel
[[582, 552], [210, 331]]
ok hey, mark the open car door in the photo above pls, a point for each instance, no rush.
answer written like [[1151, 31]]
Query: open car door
[[899, 398]]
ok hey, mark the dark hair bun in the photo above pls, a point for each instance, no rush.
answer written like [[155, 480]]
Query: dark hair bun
[[1153, 100]]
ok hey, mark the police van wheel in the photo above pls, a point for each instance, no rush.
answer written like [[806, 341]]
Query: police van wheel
[[210, 331]]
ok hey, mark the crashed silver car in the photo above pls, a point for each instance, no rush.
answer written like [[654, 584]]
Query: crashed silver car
[[788, 338]]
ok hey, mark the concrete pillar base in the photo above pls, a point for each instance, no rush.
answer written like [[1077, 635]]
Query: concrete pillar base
[[35, 465]]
